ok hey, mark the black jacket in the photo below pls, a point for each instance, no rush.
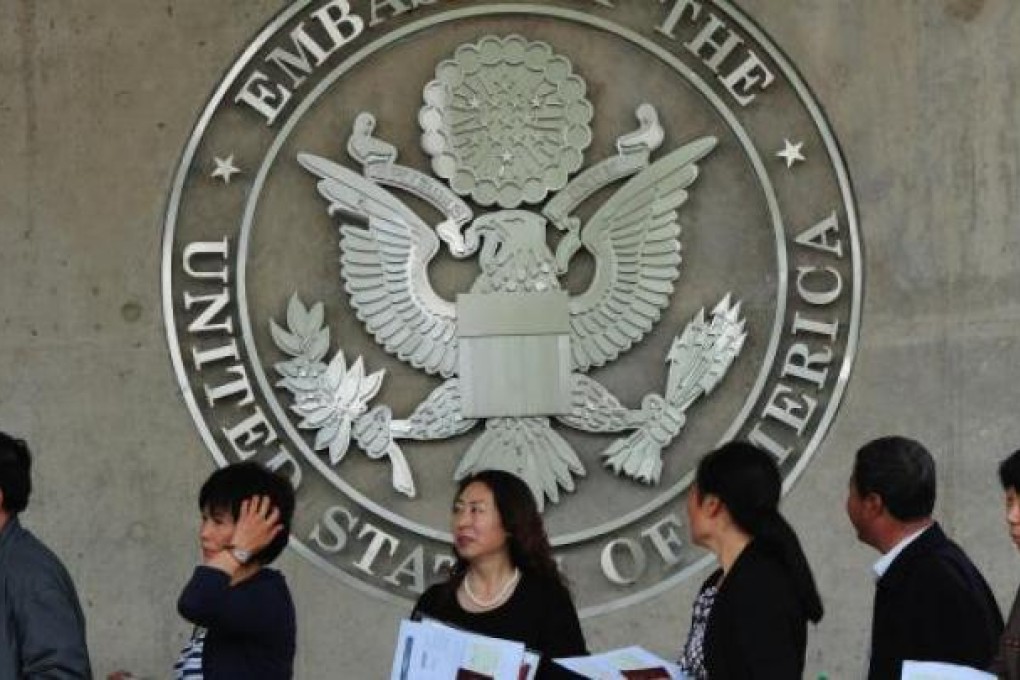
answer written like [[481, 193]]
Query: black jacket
[[757, 627], [932, 605]]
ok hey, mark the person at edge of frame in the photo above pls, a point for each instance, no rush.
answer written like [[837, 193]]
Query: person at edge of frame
[[1006, 663], [42, 627]]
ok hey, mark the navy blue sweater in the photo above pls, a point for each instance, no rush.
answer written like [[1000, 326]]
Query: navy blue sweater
[[251, 626]]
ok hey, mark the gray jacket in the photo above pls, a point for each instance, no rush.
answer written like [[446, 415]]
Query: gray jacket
[[42, 628]]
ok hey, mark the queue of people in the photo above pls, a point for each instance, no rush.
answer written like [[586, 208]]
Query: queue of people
[[750, 619]]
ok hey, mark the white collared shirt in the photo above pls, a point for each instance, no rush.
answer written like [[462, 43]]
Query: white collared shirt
[[882, 565]]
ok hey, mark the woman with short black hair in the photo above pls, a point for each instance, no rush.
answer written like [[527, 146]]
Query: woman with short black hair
[[750, 617], [242, 611]]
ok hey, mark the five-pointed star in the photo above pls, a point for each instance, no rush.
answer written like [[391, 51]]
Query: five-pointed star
[[791, 152], [225, 168]]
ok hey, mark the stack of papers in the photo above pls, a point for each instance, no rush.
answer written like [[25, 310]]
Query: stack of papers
[[936, 670], [429, 650], [629, 663]]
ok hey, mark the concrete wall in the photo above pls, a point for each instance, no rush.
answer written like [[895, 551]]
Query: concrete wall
[[96, 100]]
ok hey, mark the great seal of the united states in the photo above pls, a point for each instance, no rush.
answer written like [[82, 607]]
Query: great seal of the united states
[[584, 242]]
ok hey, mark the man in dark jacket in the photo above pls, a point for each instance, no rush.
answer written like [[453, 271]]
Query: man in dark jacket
[[931, 603], [42, 629]]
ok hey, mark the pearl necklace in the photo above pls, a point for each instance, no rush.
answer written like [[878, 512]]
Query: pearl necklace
[[500, 597]]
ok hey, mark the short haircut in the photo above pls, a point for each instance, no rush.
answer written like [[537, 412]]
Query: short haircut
[[901, 472], [228, 487], [15, 473], [1009, 472]]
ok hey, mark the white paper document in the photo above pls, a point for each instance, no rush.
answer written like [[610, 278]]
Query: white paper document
[[429, 650], [628, 663], [934, 670]]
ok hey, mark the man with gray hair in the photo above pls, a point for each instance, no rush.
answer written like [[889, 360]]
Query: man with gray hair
[[42, 628], [931, 603]]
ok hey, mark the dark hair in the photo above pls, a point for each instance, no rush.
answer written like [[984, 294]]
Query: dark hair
[[229, 486], [530, 550], [901, 472], [1009, 472], [747, 481], [15, 473]]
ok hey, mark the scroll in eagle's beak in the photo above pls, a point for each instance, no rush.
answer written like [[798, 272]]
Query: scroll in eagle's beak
[[460, 247]]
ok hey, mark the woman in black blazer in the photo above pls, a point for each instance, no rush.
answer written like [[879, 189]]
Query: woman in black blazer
[[750, 618]]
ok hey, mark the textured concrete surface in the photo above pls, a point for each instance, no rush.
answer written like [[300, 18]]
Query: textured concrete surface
[[96, 100]]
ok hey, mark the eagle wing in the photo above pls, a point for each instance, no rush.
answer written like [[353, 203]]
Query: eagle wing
[[635, 240], [385, 269]]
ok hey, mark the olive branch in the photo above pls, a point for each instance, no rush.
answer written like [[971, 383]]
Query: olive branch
[[329, 397]]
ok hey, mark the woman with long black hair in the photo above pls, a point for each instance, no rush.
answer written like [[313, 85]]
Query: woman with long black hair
[[750, 617], [505, 582]]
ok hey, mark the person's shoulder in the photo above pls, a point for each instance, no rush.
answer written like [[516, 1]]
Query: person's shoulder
[[272, 579], [759, 576], [275, 593], [544, 593], [269, 583], [31, 560], [545, 587], [756, 564], [548, 599], [433, 591], [934, 547], [933, 559], [427, 601]]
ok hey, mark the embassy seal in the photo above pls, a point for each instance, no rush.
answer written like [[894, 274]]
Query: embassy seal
[[582, 241]]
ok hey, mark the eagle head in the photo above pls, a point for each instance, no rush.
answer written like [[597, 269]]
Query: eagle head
[[506, 233]]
